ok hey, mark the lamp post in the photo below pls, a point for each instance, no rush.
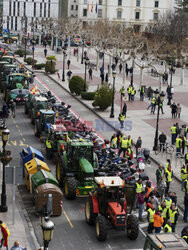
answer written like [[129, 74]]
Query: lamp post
[[170, 94], [159, 99], [5, 137], [82, 59], [112, 107], [47, 229], [64, 56], [86, 61]]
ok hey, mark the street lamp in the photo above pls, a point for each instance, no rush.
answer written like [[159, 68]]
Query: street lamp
[[82, 60], [86, 61], [112, 108], [64, 56], [47, 229], [159, 99], [170, 94], [5, 137]]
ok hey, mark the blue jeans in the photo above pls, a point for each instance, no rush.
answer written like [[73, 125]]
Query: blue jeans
[[140, 210], [173, 139], [157, 230], [1, 244]]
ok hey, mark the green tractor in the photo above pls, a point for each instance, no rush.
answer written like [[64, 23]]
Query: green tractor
[[43, 121], [75, 168], [39, 102], [29, 103], [9, 59]]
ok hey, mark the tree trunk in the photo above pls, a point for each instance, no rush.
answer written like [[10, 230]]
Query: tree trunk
[[182, 76], [141, 76]]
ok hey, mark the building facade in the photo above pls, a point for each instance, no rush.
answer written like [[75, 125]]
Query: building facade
[[136, 13]]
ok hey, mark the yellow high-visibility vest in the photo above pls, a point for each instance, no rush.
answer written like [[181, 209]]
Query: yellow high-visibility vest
[[169, 177], [178, 143], [124, 143], [172, 215], [151, 214], [48, 144], [183, 173], [168, 203], [173, 130], [168, 227], [138, 188]]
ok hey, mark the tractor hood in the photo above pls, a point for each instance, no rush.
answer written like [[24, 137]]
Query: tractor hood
[[19, 86], [86, 166]]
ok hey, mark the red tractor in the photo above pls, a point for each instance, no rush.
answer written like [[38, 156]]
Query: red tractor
[[108, 207]]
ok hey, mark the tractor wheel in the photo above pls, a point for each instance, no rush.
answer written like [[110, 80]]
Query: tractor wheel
[[89, 215], [59, 172], [132, 227], [54, 157], [101, 228], [70, 188], [25, 109]]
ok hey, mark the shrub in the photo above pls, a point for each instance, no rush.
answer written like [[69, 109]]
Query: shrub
[[76, 85], [29, 60], [88, 95], [49, 58], [20, 52], [103, 96], [50, 67], [39, 66]]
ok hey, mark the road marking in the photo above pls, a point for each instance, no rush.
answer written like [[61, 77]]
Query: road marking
[[143, 225], [142, 231], [14, 143], [22, 144], [23, 139], [21, 134], [71, 225]]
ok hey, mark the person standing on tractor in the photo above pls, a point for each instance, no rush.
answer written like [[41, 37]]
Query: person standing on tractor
[[5, 235], [123, 146], [48, 149], [157, 221], [151, 212]]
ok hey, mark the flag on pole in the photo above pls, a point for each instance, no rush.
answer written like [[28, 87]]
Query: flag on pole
[[96, 8], [92, 8], [34, 89], [88, 7]]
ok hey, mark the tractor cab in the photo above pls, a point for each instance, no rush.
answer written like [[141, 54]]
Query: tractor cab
[[171, 241], [9, 59], [7, 70], [16, 80], [39, 102]]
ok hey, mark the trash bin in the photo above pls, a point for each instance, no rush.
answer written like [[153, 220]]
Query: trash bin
[[28, 154], [31, 167], [42, 177], [41, 198]]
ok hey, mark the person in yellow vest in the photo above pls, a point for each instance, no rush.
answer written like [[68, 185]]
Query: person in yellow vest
[[163, 210], [172, 215], [122, 91], [168, 227], [186, 158], [184, 234], [183, 175], [48, 149], [152, 105], [151, 212], [5, 235], [168, 163], [178, 146], [129, 153], [168, 201], [129, 89], [173, 133], [130, 141], [186, 185], [122, 119], [133, 93], [113, 142], [123, 146], [168, 178]]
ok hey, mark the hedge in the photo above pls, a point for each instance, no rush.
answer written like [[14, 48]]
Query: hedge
[[88, 95]]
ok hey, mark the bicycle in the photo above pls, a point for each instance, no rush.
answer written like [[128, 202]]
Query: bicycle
[[169, 149]]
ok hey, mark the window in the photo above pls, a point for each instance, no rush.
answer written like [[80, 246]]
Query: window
[[85, 1], [155, 16], [84, 12], [44, 9], [137, 15], [8, 21], [76, 7], [34, 10], [119, 13], [99, 13], [138, 3], [14, 8], [100, 2], [10, 8], [72, 7], [11, 22], [24, 8], [16, 23], [119, 2], [156, 4], [18, 9], [40, 9], [48, 9]]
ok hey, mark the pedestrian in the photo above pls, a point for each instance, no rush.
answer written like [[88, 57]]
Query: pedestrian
[[129, 90], [168, 178], [116, 60], [151, 212], [45, 52], [152, 105], [173, 110], [138, 144], [13, 108], [17, 246], [172, 215], [5, 110], [159, 174], [121, 119], [124, 110], [120, 67], [178, 146], [68, 63], [178, 113], [141, 197], [161, 107], [185, 235], [154, 200], [161, 188], [119, 135], [141, 90], [122, 91], [186, 185], [167, 201], [186, 158], [113, 141], [150, 92], [158, 221], [5, 235], [69, 73], [123, 146], [133, 93], [173, 134], [183, 175], [126, 70], [168, 227], [131, 71], [185, 216], [162, 141], [90, 71], [163, 210], [148, 190], [48, 149], [106, 77]]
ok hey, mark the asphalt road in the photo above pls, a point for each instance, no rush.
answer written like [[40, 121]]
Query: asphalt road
[[71, 230]]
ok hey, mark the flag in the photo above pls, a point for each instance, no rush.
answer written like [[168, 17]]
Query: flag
[[96, 8], [88, 7], [102, 184], [34, 89], [123, 184], [92, 8]]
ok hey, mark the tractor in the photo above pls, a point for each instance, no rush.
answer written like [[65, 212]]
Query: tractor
[[110, 206], [29, 103], [44, 118], [75, 168], [39, 102]]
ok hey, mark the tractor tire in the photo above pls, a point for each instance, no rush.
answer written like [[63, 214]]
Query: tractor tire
[[70, 185], [101, 228], [25, 110], [54, 157], [59, 172], [132, 227], [89, 215]]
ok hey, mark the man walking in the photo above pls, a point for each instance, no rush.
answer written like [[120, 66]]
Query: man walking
[[68, 63], [173, 133], [90, 71], [162, 141], [159, 174], [45, 52]]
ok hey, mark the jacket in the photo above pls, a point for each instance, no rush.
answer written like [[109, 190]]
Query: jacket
[[140, 198], [162, 138], [158, 220]]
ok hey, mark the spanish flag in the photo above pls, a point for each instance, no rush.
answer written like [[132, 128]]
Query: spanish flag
[[102, 184], [34, 89], [92, 8], [123, 184]]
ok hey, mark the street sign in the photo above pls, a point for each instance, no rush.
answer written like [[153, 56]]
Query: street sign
[[9, 175]]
